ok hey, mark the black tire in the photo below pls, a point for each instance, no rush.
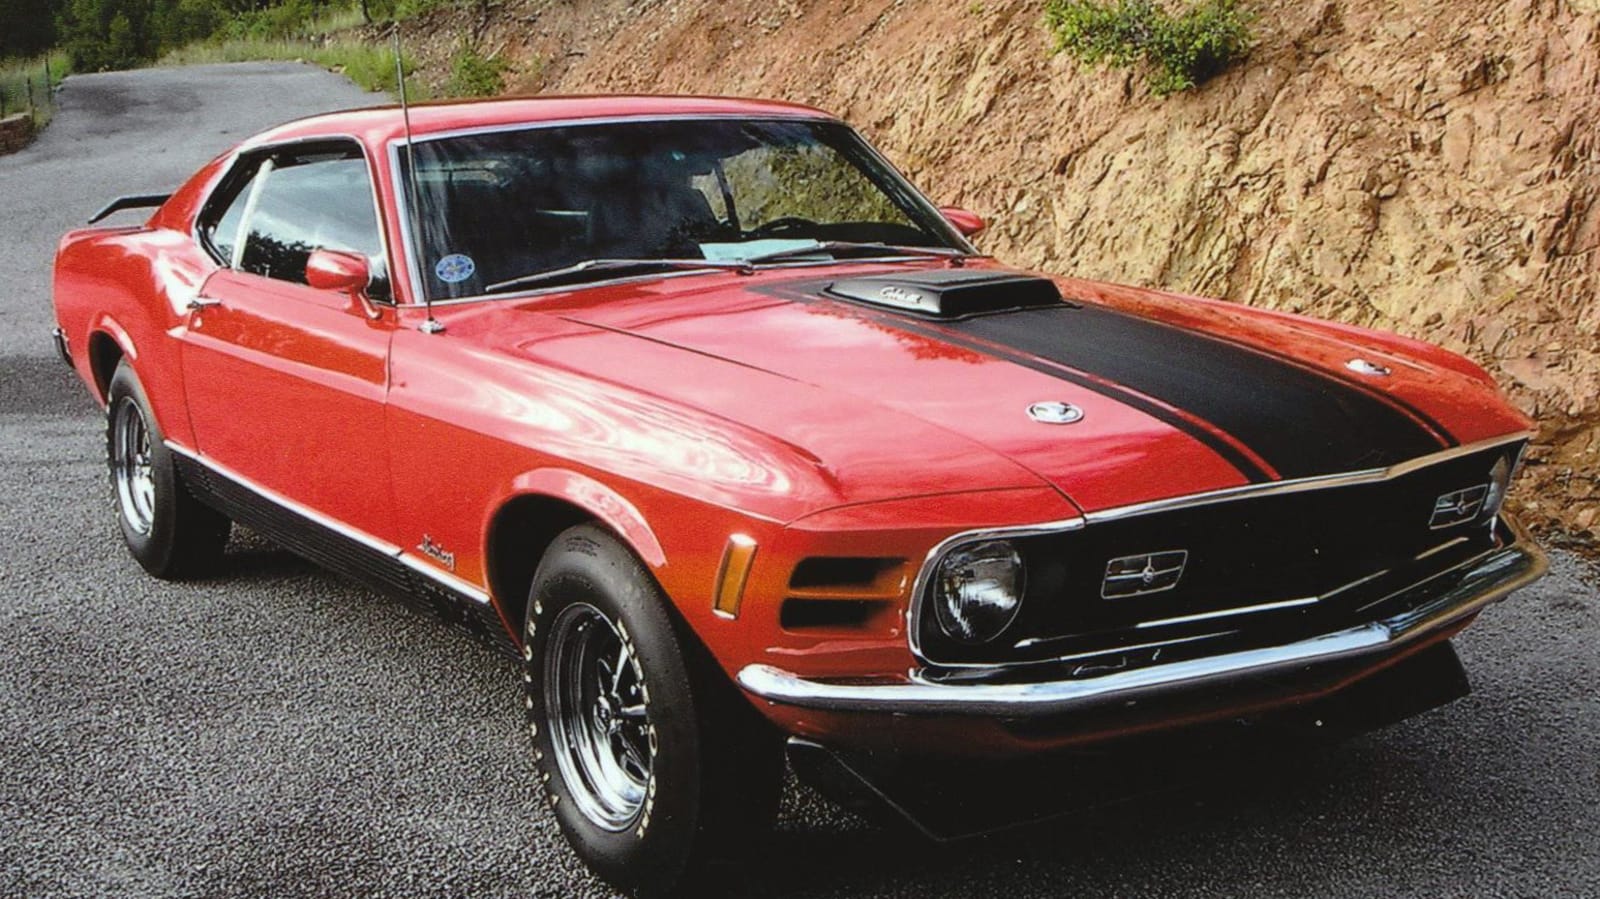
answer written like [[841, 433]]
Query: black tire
[[715, 767], [168, 532]]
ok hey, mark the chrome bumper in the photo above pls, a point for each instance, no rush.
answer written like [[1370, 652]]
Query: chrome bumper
[[58, 338], [1487, 580]]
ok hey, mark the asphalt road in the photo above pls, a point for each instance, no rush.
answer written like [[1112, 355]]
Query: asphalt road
[[279, 732]]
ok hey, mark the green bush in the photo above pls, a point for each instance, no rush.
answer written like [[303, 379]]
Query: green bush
[[474, 75], [371, 66], [400, 10], [117, 34], [1181, 51], [278, 20]]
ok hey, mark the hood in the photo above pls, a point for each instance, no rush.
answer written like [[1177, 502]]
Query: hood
[[1111, 395]]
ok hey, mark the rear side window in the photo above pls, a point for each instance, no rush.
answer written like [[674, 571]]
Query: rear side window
[[278, 208]]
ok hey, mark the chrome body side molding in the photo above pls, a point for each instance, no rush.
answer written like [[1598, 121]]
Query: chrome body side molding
[[339, 547]]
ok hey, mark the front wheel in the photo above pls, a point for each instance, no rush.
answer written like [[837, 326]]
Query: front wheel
[[654, 765], [168, 532]]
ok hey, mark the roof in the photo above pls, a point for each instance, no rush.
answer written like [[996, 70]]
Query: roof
[[382, 123]]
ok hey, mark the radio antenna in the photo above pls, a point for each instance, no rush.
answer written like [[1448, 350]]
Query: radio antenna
[[430, 325]]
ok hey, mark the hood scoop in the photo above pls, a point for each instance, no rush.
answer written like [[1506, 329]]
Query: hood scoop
[[949, 294]]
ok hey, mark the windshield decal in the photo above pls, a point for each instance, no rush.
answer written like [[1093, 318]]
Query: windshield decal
[[454, 268], [749, 249]]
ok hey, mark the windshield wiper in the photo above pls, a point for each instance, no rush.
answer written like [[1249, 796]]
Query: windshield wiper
[[827, 247], [833, 247], [606, 266]]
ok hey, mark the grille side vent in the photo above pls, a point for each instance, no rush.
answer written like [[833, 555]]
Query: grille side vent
[[830, 593]]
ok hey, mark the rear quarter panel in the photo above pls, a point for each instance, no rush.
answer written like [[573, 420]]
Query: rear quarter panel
[[132, 285]]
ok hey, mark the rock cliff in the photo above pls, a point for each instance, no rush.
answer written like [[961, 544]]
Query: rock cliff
[[1426, 166]]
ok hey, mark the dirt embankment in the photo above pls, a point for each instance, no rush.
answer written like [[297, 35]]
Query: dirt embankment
[[1426, 166]]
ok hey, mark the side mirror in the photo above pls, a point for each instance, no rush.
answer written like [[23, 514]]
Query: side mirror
[[968, 223], [345, 272]]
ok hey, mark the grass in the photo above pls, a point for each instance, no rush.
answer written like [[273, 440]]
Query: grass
[[15, 75], [474, 75], [327, 41], [369, 65]]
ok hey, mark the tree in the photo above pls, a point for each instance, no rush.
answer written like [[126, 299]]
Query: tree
[[121, 47], [29, 27], [108, 34], [115, 34]]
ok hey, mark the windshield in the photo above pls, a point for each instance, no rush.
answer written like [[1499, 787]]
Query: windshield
[[501, 209]]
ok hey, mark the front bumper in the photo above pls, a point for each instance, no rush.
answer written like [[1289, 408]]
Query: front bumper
[[1438, 607], [976, 796]]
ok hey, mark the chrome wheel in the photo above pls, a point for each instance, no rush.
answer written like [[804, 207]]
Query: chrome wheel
[[598, 716], [130, 465]]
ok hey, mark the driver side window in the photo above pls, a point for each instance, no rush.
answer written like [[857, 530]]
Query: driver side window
[[290, 204]]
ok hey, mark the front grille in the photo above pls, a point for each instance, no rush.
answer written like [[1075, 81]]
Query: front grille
[[1308, 562]]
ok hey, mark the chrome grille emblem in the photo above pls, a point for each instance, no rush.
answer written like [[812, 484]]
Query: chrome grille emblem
[[1147, 573], [1458, 506]]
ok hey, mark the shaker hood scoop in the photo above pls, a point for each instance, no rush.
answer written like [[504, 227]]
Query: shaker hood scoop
[[949, 294]]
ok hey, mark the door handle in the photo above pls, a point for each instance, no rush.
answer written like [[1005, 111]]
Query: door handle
[[199, 303]]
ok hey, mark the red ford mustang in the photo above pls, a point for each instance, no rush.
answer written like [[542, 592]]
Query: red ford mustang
[[706, 413]]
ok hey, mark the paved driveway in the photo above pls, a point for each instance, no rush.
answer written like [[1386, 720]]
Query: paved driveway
[[280, 732]]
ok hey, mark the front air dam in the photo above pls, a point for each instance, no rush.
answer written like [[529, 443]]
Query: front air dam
[[950, 799]]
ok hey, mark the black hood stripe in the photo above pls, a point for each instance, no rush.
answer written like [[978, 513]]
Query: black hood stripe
[[1439, 431], [1303, 422], [1297, 420], [1220, 443]]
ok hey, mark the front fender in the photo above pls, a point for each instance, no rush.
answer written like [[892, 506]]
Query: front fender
[[598, 500]]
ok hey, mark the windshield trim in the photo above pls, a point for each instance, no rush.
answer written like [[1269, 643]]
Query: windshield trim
[[417, 296], [572, 121]]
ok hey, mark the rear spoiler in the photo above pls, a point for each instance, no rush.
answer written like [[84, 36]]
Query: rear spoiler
[[138, 201]]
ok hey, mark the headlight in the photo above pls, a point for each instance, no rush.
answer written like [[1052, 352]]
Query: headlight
[[978, 590], [1499, 483]]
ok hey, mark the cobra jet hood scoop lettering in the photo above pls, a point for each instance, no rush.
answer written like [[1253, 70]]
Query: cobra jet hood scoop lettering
[[950, 294]]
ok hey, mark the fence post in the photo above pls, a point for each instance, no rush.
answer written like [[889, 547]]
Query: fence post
[[33, 113]]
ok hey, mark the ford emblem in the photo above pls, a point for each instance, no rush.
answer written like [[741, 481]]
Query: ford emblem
[[1055, 413]]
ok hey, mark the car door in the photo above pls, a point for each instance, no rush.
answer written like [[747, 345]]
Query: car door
[[286, 383]]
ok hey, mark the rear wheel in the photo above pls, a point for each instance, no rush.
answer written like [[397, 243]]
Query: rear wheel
[[169, 532], [655, 767]]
